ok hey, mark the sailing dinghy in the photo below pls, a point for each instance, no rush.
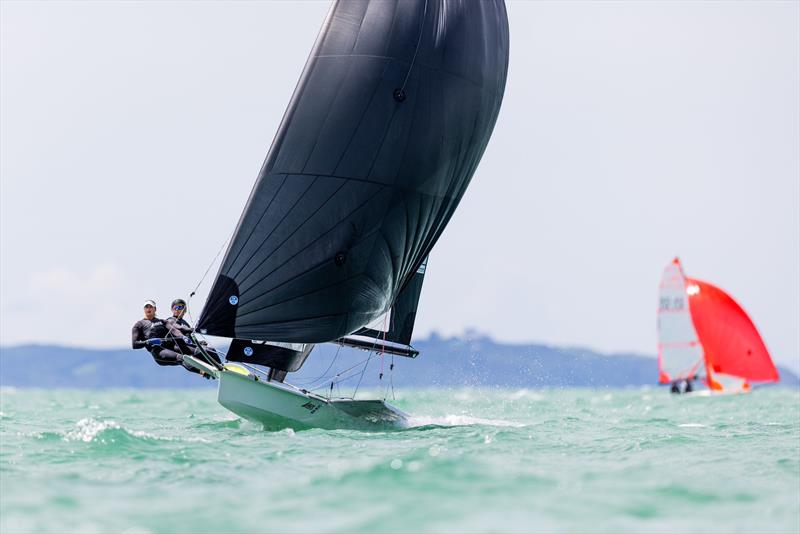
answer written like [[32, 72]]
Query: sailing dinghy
[[380, 140], [705, 336]]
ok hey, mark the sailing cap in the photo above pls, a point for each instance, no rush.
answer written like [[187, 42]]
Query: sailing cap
[[149, 303]]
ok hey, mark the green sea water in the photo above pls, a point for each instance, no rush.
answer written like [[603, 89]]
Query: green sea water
[[583, 460]]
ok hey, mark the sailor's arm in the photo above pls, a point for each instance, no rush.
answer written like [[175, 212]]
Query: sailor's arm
[[138, 340], [178, 329]]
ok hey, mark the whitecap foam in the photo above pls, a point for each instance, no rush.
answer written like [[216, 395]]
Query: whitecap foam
[[87, 429], [692, 425]]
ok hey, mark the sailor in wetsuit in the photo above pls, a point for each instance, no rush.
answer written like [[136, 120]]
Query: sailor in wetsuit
[[179, 330], [148, 333], [682, 386], [142, 326]]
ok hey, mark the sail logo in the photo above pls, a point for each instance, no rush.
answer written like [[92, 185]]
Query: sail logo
[[693, 289], [666, 303], [234, 300], [248, 351]]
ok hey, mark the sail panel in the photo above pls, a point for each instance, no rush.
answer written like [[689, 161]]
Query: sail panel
[[731, 341], [386, 127], [680, 354]]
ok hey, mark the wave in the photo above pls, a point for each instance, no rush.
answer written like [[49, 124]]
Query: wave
[[109, 432]]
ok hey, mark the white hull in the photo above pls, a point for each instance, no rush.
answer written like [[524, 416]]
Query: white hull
[[278, 405]]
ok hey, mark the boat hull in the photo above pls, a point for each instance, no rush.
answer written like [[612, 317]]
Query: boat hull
[[277, 405]]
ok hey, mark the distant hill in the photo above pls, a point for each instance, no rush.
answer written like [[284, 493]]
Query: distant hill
[[443, 362]]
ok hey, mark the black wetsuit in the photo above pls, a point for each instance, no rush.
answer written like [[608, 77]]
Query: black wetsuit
[[139, 333], [163, 354], [178, 329]]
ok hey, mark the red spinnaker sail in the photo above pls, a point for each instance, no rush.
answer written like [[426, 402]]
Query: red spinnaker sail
[[731, 343]]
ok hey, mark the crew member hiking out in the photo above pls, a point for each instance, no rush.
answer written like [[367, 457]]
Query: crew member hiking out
[[179, 330], [148, 333], [142, 326]]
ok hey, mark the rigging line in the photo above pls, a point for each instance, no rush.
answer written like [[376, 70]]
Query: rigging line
[[335, 381], [391, 376], [188, 311], [364, 370], [351, 367], [208, 269], [324, 375]]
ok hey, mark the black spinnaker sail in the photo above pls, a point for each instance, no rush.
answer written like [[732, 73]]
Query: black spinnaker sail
[[384, 131]]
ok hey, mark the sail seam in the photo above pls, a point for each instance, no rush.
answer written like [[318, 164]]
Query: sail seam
[[306, 247], [277, 225], [361, 118], [297, 228], [249, 235]]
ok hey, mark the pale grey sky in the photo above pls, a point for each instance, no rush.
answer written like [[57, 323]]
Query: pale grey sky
[[132, 133]]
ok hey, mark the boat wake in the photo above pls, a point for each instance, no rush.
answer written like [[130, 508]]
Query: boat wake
[[447, 421]]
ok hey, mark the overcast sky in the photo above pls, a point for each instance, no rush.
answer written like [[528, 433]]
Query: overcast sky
[[630, 132]]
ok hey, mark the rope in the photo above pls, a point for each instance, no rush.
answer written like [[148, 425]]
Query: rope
[[364, 370], [342, 379], [324, 375], [204, 277]]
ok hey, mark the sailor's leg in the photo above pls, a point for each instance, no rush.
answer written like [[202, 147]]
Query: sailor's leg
[[205, 352], [164, 356]]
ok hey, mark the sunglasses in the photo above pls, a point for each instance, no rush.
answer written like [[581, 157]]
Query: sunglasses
[[178, 307]]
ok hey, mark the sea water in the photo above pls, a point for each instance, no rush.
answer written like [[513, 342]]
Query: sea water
[[476, 460]]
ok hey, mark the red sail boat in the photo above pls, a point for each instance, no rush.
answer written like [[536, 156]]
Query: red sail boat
[[703, 334]]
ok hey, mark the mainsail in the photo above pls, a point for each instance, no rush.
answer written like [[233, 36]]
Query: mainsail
[[380, 140], [680, 355], [703, 331], [391, 333]]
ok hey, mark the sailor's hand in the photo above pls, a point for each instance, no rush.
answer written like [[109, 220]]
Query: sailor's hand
[[188, 340], [155, 342]]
